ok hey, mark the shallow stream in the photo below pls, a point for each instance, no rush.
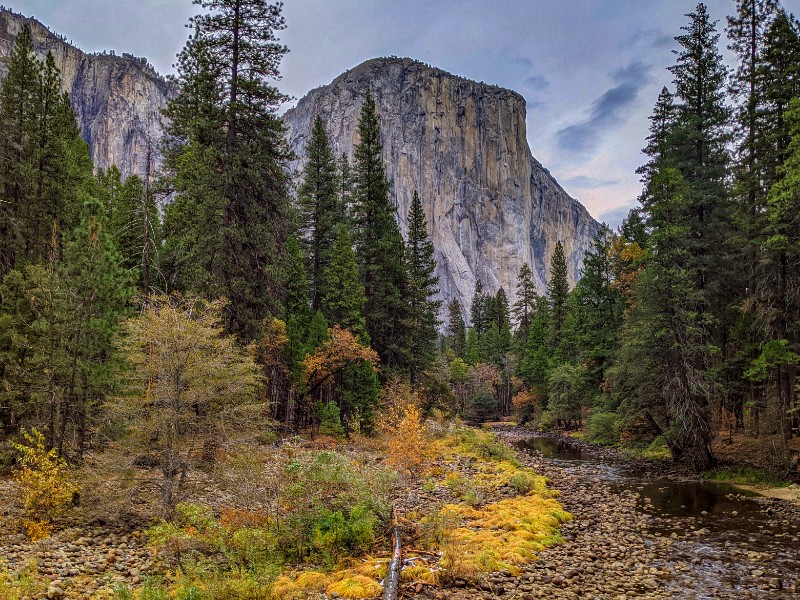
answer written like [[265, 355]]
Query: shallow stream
[[722, 535]]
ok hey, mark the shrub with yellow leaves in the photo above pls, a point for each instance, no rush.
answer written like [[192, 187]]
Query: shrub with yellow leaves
[[45, 489], [405, 429]]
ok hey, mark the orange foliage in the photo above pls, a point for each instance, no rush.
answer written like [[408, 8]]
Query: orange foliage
[[627, 259], [525, 399], [339, 350], [242, 517], [403, 423]]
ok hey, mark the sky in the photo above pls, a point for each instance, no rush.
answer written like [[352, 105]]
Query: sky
[[590, 70]]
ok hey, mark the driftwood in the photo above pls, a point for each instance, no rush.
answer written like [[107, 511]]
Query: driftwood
[[391, 586]]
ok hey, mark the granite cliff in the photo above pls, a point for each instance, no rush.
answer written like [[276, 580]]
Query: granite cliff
[[118, 99], [490, 204]]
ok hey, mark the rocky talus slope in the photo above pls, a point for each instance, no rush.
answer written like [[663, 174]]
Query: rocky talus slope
[[118, 99], [490, 204]]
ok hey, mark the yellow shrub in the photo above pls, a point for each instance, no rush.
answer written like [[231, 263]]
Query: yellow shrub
[[502, 535], [46, 491], [313, 581], [408, 449], [356, 586]]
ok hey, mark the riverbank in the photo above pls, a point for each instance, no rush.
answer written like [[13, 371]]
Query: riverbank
[[637, 532]]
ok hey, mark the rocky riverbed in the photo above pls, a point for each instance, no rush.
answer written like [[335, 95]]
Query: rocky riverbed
[[634, 536], [641, 530]]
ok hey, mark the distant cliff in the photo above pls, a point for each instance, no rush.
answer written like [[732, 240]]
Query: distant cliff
[[490, 205], [118, 99]]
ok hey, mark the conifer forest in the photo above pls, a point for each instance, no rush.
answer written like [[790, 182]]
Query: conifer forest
[[230, 376]]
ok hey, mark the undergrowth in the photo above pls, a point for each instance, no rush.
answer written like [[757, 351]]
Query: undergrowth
[[745, 475]]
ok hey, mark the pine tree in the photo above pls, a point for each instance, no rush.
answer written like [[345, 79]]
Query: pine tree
[[746, 34], [379, 246], [780, 73], [698, 151], [43, 161], [599, 309], [134, 222], [322, 210], [662, 123], [19, 116], [525, 304], [226, 158], [456, 329], [345, 179], [423, 322], [478, 309], [343, 303], [781, 279], [557, 291]]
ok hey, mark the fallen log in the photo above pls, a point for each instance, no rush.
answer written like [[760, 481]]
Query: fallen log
[[391, 586]]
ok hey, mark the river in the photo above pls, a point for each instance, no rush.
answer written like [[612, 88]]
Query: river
[[641, 533]]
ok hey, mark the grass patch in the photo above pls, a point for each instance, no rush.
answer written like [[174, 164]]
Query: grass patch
[[355, 586], [502, 535], [744, 475]]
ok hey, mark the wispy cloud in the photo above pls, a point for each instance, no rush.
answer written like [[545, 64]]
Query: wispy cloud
[[537, 82], [606, 111], [614, 217], [582, 181]]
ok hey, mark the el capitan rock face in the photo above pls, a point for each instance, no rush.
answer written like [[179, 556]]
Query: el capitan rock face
[[117, 99], [490, 205]]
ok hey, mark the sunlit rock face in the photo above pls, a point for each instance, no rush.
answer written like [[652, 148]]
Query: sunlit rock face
[[491, 206], [118, 99]]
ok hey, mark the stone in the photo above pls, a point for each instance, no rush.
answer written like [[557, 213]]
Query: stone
[[490, 205], [105, 91]]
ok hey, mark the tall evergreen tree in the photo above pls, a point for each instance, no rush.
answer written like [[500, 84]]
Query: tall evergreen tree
[[226, 158], [43, 160], [525, 303], [379, 245], [477, 312], [599, 309], [746, 34], [557, 292], [134, 222], [662, 365], [781, 280], [18, 115], [662, 123], [698, 150], [322, 209], [456, 329], [343, 301], [423, 321]]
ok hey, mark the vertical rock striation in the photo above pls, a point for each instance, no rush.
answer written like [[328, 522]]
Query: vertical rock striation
[[118, 99], [490, 205]]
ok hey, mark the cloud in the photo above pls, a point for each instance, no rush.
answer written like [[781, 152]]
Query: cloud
[[651, 37], [614, 217], [537, 82], [582, 181], [606, 111]]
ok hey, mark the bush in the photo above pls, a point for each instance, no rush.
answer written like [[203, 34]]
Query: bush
[[485, 445], [330, 420], [46, 491], [333, 505], [603, 428], [545, 421], [407, 443]]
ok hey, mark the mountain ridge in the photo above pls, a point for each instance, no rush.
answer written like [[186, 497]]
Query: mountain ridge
[[463, 145]]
